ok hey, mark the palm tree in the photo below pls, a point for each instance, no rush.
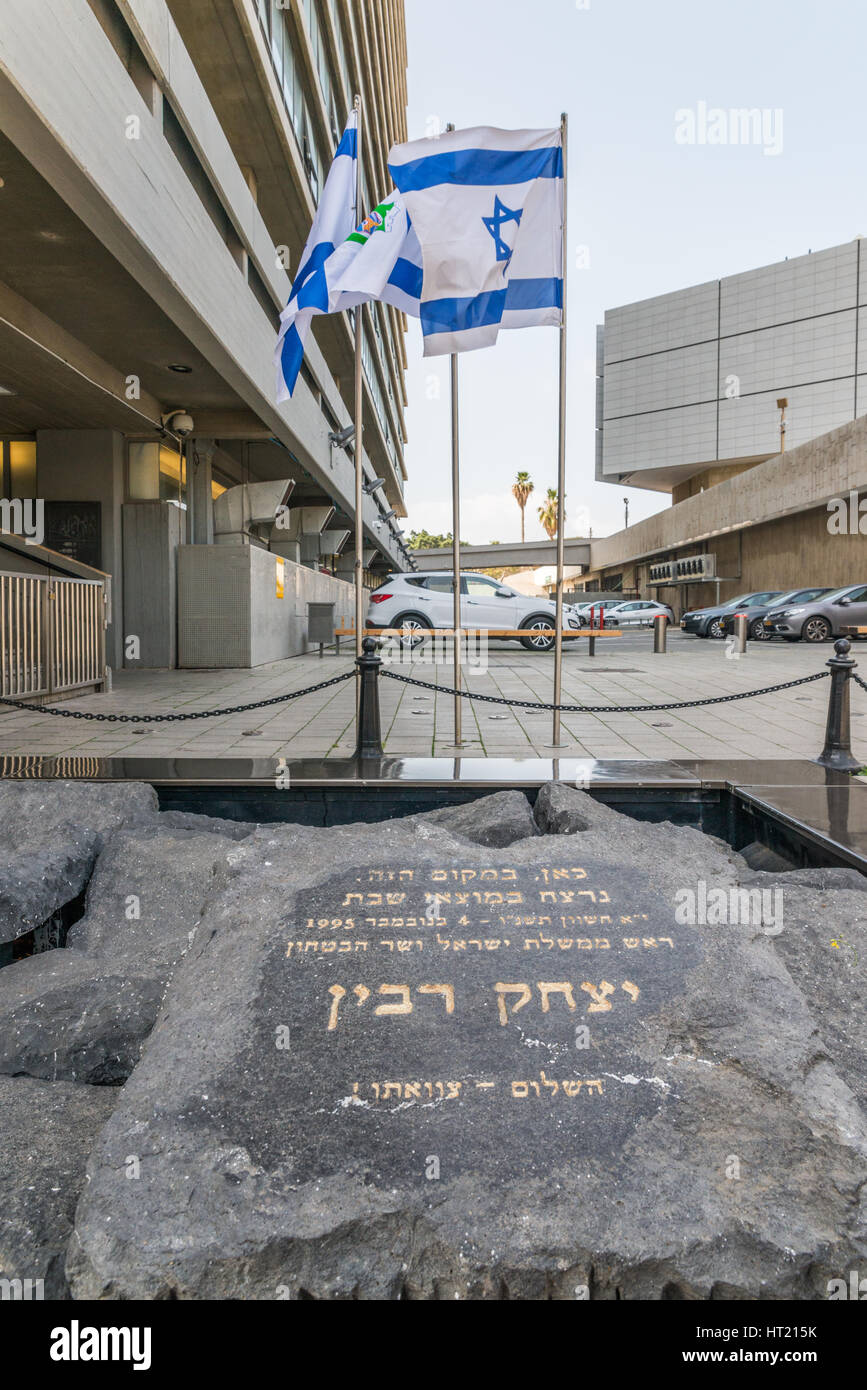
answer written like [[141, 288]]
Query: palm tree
[[521, 489], [548, 513]]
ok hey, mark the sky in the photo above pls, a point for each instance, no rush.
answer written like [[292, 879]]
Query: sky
[[648, 213]]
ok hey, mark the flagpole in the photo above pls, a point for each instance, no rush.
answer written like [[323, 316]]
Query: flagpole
[[456, 538], [561, 463], [359, 411], [456, 547]]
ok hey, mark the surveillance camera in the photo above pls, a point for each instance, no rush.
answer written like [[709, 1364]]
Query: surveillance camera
[[179, 422]]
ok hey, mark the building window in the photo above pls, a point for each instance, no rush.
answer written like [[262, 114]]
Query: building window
[[279, 37], [155, 473], [18, 467]]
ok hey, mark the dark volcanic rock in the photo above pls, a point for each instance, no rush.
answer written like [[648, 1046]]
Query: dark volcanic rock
[[83, 1013], [213, 825], [564, 810], [818, 877], [50, 834], [422, 1068], [762, 858], [823, 943], [496, 820], [48, 1131]]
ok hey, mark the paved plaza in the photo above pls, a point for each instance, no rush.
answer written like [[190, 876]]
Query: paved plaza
[[418, 722]]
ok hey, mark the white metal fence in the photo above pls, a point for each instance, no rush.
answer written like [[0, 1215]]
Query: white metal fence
[[52, 635]]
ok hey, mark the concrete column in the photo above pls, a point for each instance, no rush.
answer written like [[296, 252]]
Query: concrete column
[[200, 513], [90, 466]]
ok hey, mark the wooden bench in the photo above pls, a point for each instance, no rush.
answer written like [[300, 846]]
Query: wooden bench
[[510, 632]]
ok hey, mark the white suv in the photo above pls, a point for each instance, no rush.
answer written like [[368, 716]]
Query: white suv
[[417, 602]]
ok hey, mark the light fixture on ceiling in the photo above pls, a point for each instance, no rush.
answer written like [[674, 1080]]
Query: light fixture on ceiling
[[48, 235], [4, 391], [179, 367]]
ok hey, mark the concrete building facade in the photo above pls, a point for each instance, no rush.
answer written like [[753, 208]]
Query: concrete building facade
[[160, 165], [688, 383], [794, 521], [693, 389]]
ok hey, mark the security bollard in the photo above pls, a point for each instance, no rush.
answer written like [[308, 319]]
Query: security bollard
[[660, 633], [369, 743], [740, 631], [837, 753]]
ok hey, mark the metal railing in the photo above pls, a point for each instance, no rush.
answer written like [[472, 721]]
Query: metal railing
[[52, 635]]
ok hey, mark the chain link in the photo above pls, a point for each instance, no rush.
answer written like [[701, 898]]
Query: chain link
[[858, 681], [424, 685], [175, 718], [608, 709]]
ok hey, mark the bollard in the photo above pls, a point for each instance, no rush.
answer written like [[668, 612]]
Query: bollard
[[369, 744], [660, 633], [740, 633], [837, 753]]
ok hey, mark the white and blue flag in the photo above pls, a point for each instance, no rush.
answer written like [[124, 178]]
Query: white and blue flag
[[486, 207], [335, 218]]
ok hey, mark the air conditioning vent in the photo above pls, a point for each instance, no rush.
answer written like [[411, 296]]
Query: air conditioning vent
[[691, 569]]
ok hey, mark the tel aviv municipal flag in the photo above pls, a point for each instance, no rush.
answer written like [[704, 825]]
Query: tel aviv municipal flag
[[487, 208], [380, 260], [334, 220]]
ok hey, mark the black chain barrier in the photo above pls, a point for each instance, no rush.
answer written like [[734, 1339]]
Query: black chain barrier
[[858, 681], [175, 718], [609, 709]]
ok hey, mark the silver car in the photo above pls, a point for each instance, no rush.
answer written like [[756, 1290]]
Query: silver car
[[822, 619], [415, 603], [637, 613]]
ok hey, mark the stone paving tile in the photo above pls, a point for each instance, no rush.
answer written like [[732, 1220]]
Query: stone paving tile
[[418, 721]]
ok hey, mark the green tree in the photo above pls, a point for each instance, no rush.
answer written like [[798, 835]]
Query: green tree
[[521, 489], [424, 540], [548, 513]]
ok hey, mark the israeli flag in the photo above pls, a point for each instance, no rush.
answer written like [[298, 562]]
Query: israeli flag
[[486, 207], [335, 218]]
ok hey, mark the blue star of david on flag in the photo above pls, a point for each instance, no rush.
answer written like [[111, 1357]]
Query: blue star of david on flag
[[498, 218]]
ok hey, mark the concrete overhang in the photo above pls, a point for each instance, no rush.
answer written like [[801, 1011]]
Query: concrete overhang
[[667, 479], [149, 280], [527, 554]]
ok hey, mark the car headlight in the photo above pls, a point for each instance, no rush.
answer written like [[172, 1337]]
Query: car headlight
[[792, 612]]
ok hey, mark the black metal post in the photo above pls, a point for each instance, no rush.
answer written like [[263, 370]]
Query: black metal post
[[837, 753], [369, 744]]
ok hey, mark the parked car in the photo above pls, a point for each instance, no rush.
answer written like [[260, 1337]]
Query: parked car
[[598, 608], [707, 622], [822, 619], [757, 612], [637, 613], [415, 603]]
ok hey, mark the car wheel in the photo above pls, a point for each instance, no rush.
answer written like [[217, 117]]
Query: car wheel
[[542, 643], [816, 630], [759, 632], [716, 628], [413, 629]]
